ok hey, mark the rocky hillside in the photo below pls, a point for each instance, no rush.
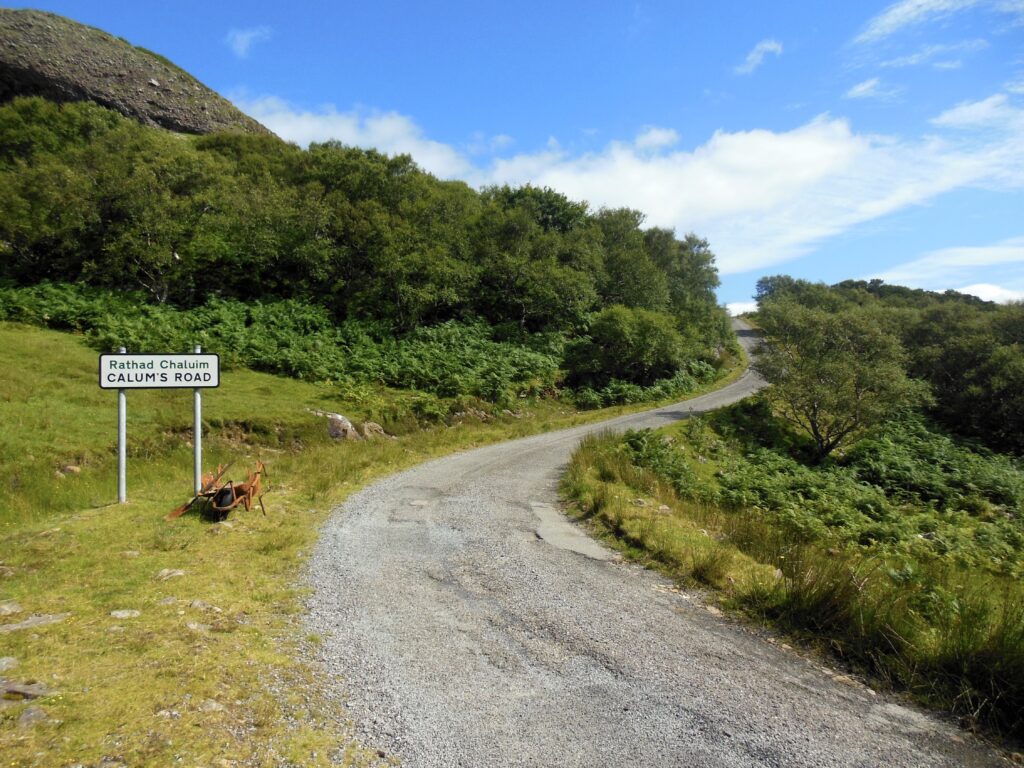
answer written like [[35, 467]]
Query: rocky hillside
[[42, 54]]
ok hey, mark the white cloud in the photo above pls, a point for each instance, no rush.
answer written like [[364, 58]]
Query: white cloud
[[388, 132], [656, 138], [950, 266], [869, 89], [989, 292], [930, 54], [756, 56], [995, 111], [907, 13], [761, 197], [736, 308], [241, 40]]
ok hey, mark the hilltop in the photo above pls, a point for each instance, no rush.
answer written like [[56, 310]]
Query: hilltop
[[43, 54]]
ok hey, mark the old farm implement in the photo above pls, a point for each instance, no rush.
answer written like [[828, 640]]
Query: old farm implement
[[217, 498]]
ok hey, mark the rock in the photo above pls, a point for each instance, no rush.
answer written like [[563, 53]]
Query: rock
[[211, 706], [23, 691], [168, 601], [32, 716], [340, 428], [9, 608], [169, 713], [34, 621], [713, 610], [202, 605], [71, 469], [35, 61], [639, 503], [664, 509], [198, 628], [169, 573], [126, 613], [7, 663], [373, 430]]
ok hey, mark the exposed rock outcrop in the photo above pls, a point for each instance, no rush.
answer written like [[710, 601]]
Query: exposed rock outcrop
[[42, 54]]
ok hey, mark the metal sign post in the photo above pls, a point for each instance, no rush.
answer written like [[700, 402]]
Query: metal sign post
[[197, 432], [123, 372], [122, 441]]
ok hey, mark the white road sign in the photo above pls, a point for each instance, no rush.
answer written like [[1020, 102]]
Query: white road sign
[[159, 371]]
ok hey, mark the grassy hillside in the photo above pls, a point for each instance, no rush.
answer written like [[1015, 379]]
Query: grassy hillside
[[206, 673]]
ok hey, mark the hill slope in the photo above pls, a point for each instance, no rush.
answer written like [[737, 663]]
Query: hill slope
[[42, 54]]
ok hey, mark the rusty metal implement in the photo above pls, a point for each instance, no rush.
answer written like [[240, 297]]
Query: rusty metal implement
[[223, 497]]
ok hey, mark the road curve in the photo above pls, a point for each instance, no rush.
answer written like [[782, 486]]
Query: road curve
[[467, 623]]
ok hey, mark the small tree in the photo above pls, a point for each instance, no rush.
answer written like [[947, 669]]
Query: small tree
[[833, 374]]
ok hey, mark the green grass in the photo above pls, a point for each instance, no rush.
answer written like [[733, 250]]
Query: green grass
[[152, 691]]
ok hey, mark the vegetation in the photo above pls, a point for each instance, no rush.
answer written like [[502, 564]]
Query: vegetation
[[834, 374], [857, 502], [904, 556], [970, 352], [339, 264], [90, 197]]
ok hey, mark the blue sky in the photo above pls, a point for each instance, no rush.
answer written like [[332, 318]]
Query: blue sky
[[823, 140]]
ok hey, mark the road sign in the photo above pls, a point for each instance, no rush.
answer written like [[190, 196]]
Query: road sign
[[159, 371], [123, 371]]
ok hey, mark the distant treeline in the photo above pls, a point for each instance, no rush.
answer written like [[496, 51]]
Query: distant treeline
[[970, 352], [90, 197]]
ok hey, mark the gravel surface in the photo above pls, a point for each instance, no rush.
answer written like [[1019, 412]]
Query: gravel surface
[[468, 623]]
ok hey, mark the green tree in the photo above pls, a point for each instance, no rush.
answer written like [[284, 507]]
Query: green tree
[[630, 276], [626, 343], [833, 375]]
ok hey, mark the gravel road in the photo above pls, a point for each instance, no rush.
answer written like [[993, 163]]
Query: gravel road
[[466, 622]]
